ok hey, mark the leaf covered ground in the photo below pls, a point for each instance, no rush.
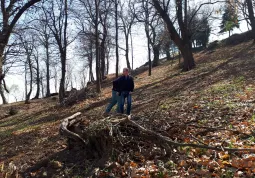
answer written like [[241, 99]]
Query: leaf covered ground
[[211, 105]]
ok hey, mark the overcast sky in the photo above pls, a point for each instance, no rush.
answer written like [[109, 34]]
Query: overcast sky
[[140, 54]]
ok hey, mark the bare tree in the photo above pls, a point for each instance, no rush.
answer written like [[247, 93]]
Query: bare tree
[[11, 11], [58, 22], [27, 43], [182, 41], [128, 20], [104, 21], [44, 35], [149, 17]]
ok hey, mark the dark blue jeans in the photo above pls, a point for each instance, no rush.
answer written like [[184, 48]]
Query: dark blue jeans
[[125, 95], [114, 100]]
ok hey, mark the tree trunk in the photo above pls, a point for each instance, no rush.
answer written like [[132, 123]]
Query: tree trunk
[[102, 52], [148, 47], [149, 56], [2, 47], [97, 50], [251, 17], [41, 82], [31, 79], [156, 56], [62, 80], [189, 63], [63, 57], [107, 60], [117, 39], [56, 80], [91, 77], [167, 51], [47, 70], [2, 95], [37, 79], [132, 49], [168, 56], [127, 51]]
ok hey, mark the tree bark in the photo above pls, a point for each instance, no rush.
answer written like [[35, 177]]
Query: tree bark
[[149, 51], [2, 95], [62, 80], [156, 56], [187, 54]]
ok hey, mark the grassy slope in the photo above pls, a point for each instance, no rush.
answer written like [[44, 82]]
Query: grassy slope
[[219, 92]]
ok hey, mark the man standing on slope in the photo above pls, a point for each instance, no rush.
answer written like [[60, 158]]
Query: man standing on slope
[[126, 87], [115, 98]]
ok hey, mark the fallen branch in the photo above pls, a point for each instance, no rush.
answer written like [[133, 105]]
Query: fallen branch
[[173, 143], [102, 136]]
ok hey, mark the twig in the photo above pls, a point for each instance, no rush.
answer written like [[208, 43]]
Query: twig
[[197, 140]]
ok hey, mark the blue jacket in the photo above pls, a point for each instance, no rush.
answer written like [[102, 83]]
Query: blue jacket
[[126, 83]]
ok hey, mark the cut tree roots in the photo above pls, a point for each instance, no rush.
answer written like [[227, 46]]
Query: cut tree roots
[[121, 134]]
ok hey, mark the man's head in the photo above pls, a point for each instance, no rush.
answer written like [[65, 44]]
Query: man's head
[[125, 71]]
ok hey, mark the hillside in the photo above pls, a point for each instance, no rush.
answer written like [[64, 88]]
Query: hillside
[[212, 104]]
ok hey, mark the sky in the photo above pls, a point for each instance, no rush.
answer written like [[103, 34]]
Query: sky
[[140, 56]]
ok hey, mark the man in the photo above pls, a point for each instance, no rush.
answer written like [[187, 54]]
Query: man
[[126, 87], [115, 98]]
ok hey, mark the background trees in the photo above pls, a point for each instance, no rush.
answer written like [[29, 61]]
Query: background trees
[[229, 18], [128, 20], [183, 41]]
